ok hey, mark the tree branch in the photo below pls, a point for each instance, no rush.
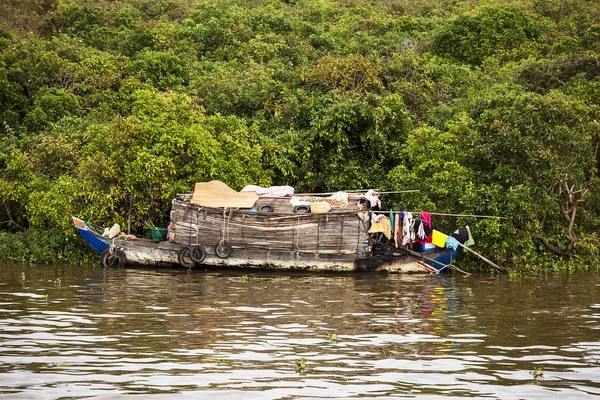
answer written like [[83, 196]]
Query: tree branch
[[569, 198], [552, 248], [12, 221]]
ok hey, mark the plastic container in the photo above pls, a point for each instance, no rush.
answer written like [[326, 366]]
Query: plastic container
[[424, 247], [158, 234], [320, 207], [113, 231]]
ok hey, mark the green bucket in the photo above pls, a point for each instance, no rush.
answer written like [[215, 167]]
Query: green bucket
[[158, 234]]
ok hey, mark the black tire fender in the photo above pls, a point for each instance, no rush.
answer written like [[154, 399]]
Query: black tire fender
[[184, 258], [113, 258], [302, 209], [267, 208], [223, 249], [197, 254]]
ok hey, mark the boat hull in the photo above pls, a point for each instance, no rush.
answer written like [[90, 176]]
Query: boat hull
[[144, 252]]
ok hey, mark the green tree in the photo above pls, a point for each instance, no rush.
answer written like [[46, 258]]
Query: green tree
[[494, 30]]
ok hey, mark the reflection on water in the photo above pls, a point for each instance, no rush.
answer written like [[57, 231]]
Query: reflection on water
[[74, 332]]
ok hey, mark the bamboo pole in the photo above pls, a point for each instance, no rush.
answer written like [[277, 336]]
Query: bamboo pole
[[443, 214], [422, 257], [452, 267], [482, 258], [468, 215], [356, 191]]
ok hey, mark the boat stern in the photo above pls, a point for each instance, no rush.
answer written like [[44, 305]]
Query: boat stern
[[96, 241]]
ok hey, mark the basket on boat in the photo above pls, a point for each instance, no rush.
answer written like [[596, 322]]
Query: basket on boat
[[158, 234]]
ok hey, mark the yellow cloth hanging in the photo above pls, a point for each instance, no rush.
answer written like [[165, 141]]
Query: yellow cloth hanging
[[384, 225], [438, 238]]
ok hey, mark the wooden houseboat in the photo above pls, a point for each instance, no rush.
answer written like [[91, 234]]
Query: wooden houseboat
[[216, 227]]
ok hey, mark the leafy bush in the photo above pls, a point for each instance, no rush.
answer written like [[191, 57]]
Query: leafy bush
[[494, 30], [107, 109]]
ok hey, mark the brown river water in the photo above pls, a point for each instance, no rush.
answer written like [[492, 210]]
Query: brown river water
[[84, 332]]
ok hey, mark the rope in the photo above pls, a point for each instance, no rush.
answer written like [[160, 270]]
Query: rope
[[358, 236], [112, 246], [342, 234], [229, 226], [297, 234], [226, 227], [357, 192], [443, 214]]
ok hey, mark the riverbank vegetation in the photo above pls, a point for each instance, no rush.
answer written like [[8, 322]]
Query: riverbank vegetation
[[110, 108]]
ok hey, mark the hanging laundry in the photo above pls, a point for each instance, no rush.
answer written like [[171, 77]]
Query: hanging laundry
[[398, 232], [426, 218], [452, 243], [392, 219], [421, 230], [423, 222], [373, 197], [470, 242], [408, 229], [438, 238], [382, 225], [376, 217], [463, 235]]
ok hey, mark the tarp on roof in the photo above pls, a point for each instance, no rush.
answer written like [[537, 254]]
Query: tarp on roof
[[217, 194]]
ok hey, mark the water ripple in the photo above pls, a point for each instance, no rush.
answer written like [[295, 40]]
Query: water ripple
[[90, 333]]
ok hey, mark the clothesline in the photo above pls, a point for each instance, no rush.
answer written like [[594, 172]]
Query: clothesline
[[443, 214], [356, 191]]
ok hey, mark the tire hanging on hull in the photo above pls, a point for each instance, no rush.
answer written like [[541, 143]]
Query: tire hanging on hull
[[184, 258], [197, 254], [113, 258], [223, 249]]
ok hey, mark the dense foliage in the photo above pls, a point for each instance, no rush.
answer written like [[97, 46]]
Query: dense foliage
[[109, 108]]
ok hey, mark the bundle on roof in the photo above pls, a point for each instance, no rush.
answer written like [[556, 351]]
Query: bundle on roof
[[217, 194]]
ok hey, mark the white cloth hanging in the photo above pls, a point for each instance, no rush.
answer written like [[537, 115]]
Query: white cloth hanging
[[421, 232], [408, 229]]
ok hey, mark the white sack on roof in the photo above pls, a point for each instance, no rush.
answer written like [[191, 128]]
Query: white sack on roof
[[273, 191]]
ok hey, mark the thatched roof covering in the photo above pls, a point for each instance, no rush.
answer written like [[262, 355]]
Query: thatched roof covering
[[217, 194]]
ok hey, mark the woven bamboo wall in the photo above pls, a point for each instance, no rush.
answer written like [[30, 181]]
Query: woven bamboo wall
[[339, 231]]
